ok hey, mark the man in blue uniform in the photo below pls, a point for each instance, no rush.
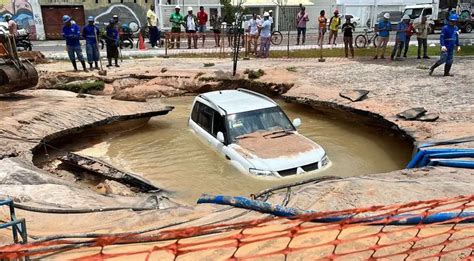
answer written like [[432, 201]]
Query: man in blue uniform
[[72, 34], [449, 40], [90, 33]]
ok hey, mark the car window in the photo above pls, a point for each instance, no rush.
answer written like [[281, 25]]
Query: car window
[[428, 12], [205, 117], [195, 112], [218, 125]]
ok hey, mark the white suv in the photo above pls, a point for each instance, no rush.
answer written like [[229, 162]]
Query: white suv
[[254, 133]]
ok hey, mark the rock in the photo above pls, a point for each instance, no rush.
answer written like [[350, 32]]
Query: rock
[[164, 69], [125, 96], [354, 95], [428, 117], [125, 83], [412, 113], [113, 187], [33, 56]]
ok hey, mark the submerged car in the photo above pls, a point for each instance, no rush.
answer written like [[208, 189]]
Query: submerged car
[[254, 134]]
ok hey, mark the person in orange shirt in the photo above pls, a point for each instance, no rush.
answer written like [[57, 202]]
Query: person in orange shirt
[[322, 26]]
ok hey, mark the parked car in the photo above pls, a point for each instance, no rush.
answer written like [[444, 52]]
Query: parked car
[[355, 20], [254, 134], [466, 21], [395, 18]]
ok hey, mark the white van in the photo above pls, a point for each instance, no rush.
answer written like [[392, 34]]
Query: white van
[[254, 134]]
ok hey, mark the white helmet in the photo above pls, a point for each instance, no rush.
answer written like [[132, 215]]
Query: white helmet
[[190, 8], [386, 15], [406, 17], [266, 14], [177, 7]]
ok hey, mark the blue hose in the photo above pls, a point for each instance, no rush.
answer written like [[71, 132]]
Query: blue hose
[[421, 158], [281, 211], [447, 155], [468, 164]]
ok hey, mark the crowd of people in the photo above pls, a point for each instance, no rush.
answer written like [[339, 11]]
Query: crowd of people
[[259, 30]]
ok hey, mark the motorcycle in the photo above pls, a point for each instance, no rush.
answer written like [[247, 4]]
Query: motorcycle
[[23, 41]]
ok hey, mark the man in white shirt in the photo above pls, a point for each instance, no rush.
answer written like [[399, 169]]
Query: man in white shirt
[[152, 21], [265, 35], [191, 24], [253, 33]]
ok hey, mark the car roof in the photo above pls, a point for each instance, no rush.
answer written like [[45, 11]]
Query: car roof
[[235, 101]]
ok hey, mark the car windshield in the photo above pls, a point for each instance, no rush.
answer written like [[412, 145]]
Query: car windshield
[[264, 120], [413, 13]]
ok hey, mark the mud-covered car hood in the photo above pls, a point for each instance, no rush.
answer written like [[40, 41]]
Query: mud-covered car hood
[[278, 150]]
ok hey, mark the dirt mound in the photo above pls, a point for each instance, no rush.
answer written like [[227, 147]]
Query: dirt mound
[[33, 56]]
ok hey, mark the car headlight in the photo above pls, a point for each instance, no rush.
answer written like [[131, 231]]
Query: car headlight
[[260, 172], [324, 161]]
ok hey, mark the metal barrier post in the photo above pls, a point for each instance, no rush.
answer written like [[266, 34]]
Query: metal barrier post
[[166, 45], [321, 59]]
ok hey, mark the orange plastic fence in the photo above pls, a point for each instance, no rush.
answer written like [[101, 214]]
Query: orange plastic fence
[[357, 237]]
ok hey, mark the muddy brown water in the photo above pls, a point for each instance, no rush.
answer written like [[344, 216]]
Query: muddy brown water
[[168, 153]]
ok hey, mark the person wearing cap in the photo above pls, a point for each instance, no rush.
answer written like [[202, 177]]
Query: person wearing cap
[[72, 33], [301, 20], [449, 41], [383, 29], [334, 24], [270, 18], [253, 32], [322, 21], [12, 26], [202, 21], [90, 33], [191, 23], [265, 35], [112, 41], [176, 20], [348, 28], [152, 22], [421, 30], [400, 37]]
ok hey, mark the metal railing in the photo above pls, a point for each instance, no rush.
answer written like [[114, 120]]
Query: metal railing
[[18, 225]]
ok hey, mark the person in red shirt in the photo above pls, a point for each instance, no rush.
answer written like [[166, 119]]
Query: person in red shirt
[[202, 21], [410, 31]]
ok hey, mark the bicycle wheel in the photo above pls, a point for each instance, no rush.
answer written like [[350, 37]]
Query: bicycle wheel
[[276, 38], [376, 40], [361, 41]]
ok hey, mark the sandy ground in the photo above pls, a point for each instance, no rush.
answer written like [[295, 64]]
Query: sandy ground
[[393, 86]]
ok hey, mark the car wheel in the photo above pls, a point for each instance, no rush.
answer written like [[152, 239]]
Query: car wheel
[[468, 28]]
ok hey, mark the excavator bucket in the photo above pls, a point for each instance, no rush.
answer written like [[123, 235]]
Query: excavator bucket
[[14, 79], [15, 75]]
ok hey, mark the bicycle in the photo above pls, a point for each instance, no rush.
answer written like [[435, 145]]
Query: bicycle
[[276, 38], [362, 40]]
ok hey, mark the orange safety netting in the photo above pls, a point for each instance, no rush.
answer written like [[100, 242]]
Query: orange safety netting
[[365, 233]]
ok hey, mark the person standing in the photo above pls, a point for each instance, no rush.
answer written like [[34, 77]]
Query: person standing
[[112, 42], [191, 24], [410, 30], [202, 21], [176, 20], [301, 20], [72, 34], [322, 20], [421, 30], [348, 28], [270, 17], [152, 22], [265, 35], [90, 33], [449, 41], [334, 24], [253, 32], [383, 29], [12, 26], [401, 37], [216, 22]]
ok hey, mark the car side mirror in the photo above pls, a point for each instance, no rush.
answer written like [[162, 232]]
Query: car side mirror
[[297, 122], [220, 137]]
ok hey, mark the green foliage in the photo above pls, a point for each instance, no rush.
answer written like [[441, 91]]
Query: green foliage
[[208, 64], [291, 69], [228, 11], [255, 74], [82, 86]]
